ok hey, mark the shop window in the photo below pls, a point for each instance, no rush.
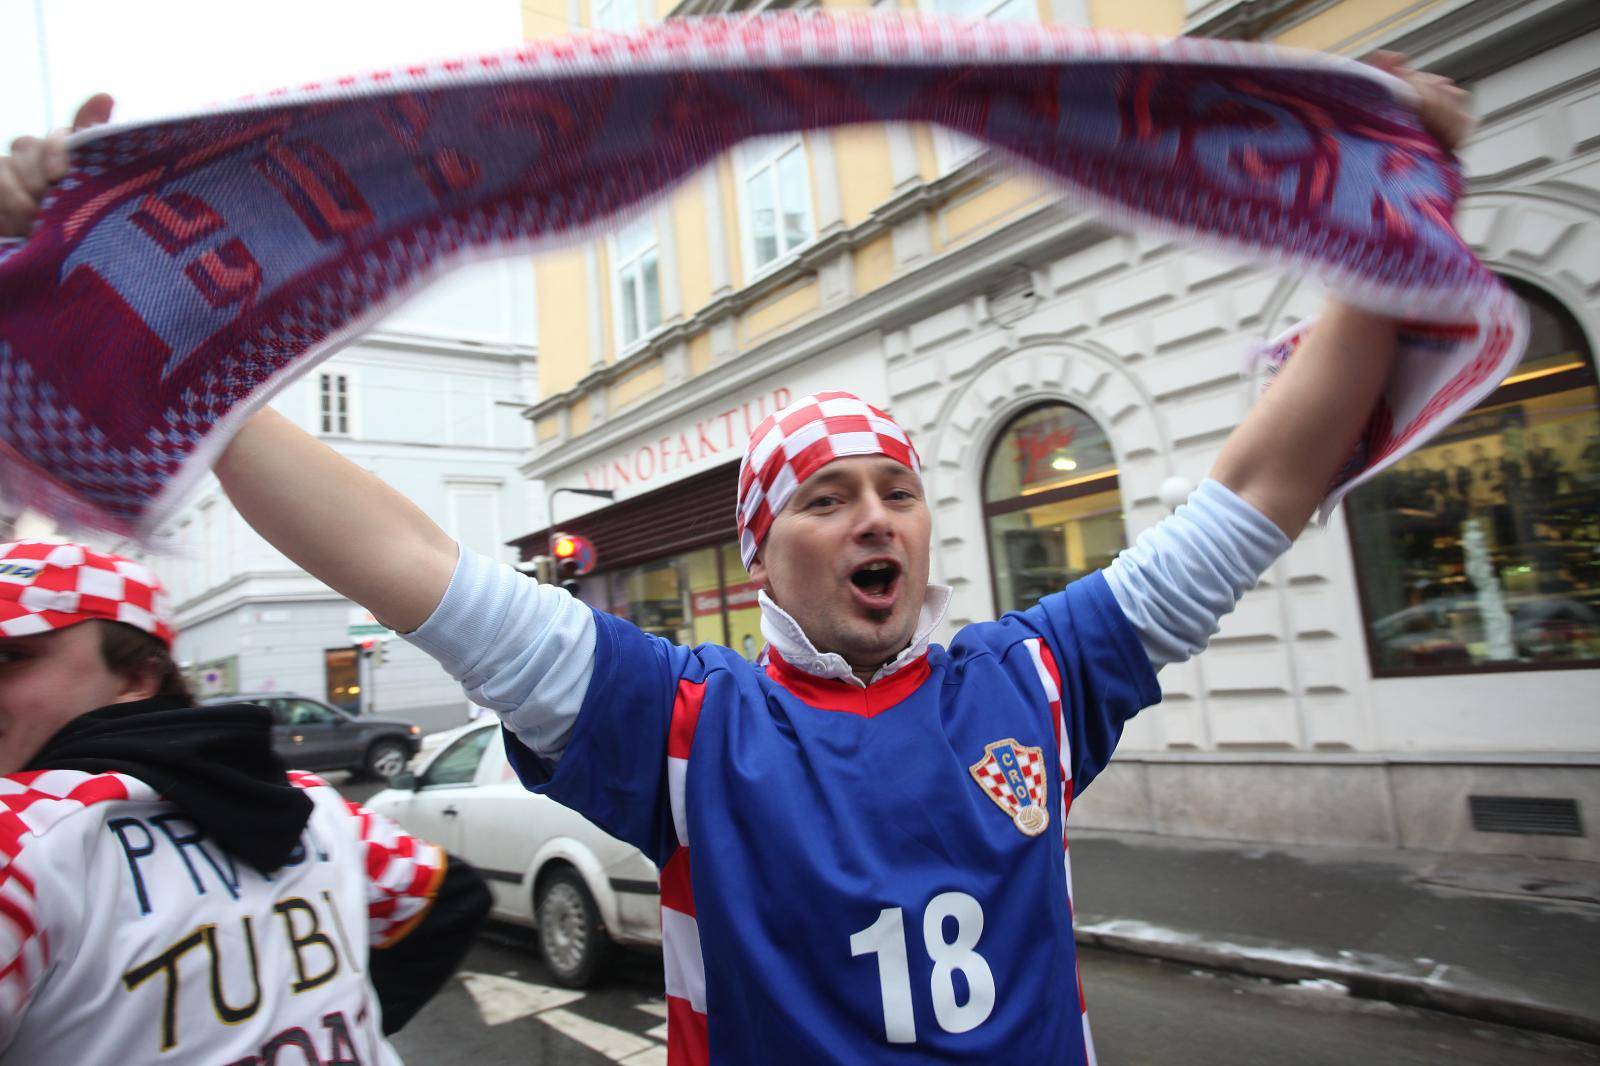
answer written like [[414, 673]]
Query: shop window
[[743, 612], [1051, 503], [1481, 551], [697, 597], [636, 272], [775, 194], [343, 672]]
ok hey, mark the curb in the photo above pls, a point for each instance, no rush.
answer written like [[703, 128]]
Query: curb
[[1365, 984]]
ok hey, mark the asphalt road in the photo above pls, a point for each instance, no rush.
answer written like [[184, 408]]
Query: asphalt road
[[502, 1009]]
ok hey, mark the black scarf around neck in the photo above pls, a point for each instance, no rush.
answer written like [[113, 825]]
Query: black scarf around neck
[[215, 763]]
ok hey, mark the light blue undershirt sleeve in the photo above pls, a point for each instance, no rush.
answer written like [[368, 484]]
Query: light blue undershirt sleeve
[[1182, 575], [522, 649]]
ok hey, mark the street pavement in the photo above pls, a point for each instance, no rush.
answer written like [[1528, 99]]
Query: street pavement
[[1494, 938], [1349, 941], [502, 1008]]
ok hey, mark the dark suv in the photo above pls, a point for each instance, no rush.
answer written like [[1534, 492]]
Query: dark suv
[[310, 735]]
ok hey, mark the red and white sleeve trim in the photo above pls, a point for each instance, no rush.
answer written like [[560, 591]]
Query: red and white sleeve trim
[[403, 871]]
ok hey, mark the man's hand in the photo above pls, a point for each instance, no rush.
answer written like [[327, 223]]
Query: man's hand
[[1441, 103], [35, 163]]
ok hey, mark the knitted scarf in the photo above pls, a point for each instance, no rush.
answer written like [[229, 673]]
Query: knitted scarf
[[188, 268]]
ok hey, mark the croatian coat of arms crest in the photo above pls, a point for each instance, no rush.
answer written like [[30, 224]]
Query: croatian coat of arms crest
[[1014, 777]]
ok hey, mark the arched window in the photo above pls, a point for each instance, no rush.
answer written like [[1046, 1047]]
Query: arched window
[[1050, 502], [1481, 551]]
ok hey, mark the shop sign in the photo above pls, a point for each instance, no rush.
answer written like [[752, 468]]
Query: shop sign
[[703, 443], [738, 597]]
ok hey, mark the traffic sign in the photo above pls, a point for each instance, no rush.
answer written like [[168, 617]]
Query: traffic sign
[[362, 626]]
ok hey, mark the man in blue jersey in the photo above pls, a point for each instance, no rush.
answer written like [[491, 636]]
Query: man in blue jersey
[[876, 823]]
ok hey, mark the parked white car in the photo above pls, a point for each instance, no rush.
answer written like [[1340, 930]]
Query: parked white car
[[548, 866]]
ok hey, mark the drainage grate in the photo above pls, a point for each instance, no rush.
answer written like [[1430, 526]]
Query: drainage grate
[[1531, 815]]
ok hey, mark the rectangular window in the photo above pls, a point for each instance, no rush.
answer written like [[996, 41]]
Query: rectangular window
[[776, 192], [952, 149], [637, 270], [616, 15], [333, 404]]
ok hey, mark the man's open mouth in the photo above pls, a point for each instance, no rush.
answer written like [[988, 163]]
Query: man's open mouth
[[876, 582]]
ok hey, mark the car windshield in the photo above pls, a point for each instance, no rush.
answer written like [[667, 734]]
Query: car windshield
[[458, 764]]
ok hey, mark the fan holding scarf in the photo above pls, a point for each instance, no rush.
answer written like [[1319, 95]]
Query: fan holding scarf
[[871, 813]]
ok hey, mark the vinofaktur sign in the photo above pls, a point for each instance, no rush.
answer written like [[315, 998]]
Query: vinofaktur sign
[[686, 449]]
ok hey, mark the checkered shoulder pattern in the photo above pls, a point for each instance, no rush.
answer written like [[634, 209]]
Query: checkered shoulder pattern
[[46, 585], [403, 872], [31, 804], [792, 444]]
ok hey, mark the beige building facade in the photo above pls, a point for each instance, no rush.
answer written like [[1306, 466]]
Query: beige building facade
[[1423, 672]]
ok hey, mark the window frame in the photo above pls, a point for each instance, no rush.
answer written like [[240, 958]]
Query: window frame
[[1111, 481], [595, 21], [618, 267], [1503, 394], [326, 418], [746, 165]]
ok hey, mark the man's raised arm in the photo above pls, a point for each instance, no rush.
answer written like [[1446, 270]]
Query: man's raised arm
[[338, 522], [1284, 454]]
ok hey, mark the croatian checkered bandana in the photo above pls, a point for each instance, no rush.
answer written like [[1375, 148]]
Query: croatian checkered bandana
[[45, 586], [792, 444]]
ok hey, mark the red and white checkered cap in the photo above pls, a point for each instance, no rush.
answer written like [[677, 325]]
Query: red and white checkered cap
[[792, 444], [46, 585]]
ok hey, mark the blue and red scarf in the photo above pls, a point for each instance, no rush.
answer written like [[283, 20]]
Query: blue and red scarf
[[187, 268]]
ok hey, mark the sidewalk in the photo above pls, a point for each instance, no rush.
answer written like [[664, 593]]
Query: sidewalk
[[1508, 940]]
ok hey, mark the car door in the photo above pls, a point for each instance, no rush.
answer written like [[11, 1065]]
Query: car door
[[501, 830], [284, 735], [443, 798], [319, 735]]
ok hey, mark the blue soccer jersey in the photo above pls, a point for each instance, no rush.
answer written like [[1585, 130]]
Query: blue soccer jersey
[[854, 875]]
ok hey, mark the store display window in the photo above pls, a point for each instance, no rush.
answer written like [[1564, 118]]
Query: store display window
[[697, 597], [1481, 551], [1051, 503]]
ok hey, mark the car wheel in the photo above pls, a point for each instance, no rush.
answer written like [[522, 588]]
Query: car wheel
[[385, 759], [572, 938]]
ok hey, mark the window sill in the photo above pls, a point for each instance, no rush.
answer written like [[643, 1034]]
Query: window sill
[[774, 266]]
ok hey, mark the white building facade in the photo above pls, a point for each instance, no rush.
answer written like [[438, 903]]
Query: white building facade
[[431, 402], [1424, 672]]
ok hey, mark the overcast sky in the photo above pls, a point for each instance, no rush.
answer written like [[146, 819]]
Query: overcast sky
[[161, 56]]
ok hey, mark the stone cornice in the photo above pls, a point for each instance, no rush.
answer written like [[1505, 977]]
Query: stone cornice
[[431, 345], [1478, 37], [290, 586], [1242, 19]]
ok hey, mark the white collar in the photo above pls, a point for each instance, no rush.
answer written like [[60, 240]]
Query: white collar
[[785, 636]]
